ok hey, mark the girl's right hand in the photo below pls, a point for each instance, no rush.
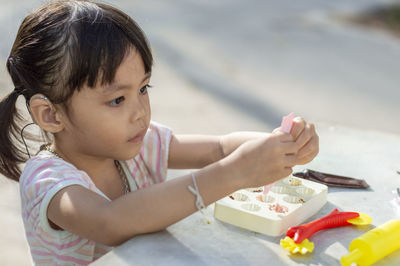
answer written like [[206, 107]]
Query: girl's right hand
[[264, 160]]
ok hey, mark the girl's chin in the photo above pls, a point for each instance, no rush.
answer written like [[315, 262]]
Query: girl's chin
[[128, 155]]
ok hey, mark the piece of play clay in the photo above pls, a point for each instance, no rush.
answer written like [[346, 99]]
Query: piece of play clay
[[287, 122], [286, 126]]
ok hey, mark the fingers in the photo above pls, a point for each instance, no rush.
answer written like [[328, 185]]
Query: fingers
[[286, 145], [289, 147], [309, 151], [298, 127], [310, 147], [305, 136], [306, 142]]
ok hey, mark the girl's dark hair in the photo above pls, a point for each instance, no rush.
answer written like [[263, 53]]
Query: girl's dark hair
[[60, 47]]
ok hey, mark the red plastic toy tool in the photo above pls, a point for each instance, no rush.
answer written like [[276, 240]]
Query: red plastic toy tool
[[333, 219], [296, 240]]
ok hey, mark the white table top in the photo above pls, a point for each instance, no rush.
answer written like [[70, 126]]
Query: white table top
[[373, 156]]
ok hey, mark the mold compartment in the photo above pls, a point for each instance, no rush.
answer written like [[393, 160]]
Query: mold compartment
[[292, 181], [255, 189], [278, 208], [306, 191], [294, 199], [265, 198], [239, 196], [251, 207], [280, 189]]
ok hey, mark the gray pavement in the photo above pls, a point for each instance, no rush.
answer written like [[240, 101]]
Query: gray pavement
[[223, 66], [266, 58]]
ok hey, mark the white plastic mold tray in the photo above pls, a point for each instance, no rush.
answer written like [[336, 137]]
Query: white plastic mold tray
[[289, 203]]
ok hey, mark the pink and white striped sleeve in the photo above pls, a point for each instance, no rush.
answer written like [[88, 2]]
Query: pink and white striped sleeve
[[41, 179]]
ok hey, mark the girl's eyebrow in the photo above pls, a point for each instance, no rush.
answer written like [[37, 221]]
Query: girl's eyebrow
[[146, 76], [115, 87]]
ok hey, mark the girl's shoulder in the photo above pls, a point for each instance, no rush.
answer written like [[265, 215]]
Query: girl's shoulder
[[46, 160], [45, 166]]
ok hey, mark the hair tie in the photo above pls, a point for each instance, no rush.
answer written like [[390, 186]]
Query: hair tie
[[18, 91]]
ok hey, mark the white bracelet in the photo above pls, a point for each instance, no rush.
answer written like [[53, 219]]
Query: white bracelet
[[199, 200]]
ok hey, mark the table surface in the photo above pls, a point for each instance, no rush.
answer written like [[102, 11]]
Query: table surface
[[370, 155]]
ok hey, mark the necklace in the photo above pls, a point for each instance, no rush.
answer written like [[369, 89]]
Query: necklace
[[121, 172], [46, 147]]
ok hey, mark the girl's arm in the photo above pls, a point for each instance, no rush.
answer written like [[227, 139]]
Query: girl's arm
[[85, 213], [197, 151]]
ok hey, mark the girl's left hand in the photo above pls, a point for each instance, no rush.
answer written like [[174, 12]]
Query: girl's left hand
[[306, 137]]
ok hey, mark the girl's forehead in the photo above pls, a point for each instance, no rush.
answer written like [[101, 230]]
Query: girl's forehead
[[130, 73], [131, 67], [120, 85]]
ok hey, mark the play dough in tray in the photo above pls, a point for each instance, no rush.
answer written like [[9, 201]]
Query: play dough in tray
[[289, 203]]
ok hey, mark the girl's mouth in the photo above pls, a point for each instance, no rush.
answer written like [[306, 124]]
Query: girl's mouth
[[139, 137]]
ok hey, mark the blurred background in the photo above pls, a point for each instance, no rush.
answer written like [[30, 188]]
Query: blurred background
[[223, 66]]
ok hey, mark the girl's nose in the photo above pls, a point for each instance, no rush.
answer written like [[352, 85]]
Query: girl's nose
[[139, 110]]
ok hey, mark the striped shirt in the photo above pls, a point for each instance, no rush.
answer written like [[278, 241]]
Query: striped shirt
[[44, 175]]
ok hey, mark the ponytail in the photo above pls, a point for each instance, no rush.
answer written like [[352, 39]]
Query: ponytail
[[11, 152]]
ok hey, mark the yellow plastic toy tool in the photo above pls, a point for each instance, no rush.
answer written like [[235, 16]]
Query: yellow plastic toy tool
[[374, 244], [296, 240], [304, 247]]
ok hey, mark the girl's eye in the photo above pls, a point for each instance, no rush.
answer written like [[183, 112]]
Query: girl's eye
[[143, 90], [116, 101]]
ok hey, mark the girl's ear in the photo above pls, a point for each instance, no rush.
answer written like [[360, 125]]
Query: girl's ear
[[44, 114]]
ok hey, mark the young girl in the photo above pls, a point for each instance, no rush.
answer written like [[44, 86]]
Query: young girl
[[84, 69]]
